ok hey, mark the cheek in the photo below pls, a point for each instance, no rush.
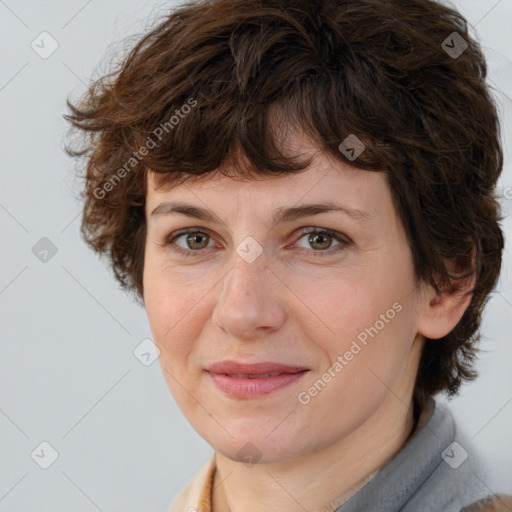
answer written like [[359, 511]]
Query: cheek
[[173, 309], [366, 317], [340, 308], [172, 298]]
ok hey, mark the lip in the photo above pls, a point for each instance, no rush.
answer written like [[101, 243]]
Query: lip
[[232, 367], [222, 374]]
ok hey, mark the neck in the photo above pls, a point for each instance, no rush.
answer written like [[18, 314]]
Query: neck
[[315, 480]]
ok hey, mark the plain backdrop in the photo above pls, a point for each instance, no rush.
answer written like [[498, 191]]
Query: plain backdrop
[[70, 377]]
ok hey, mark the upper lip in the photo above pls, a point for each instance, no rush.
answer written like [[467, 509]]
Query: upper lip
[[232, 367]]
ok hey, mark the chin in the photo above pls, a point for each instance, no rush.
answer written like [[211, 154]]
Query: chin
[[254, 445]]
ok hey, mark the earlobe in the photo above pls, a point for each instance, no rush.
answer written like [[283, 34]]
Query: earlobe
[[441, 312]]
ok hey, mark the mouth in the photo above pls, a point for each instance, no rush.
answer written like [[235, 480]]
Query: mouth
[[253, 380], [234, 368], [255, 376]]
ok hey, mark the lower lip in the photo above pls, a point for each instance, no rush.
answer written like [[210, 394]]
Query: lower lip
[[248, 388]]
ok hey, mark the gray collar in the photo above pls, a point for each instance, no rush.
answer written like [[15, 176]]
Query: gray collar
[[394, 485]]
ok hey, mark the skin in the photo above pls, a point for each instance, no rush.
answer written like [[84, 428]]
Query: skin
[[291, 307]]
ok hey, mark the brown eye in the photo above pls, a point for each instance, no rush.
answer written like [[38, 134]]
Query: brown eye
[[193, 242], [320, 241], [190, 243], [197, 240]]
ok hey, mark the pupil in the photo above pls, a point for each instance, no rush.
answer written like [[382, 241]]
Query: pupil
[[196, 239], [318, 239]]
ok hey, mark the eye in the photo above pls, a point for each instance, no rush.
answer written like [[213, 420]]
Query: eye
[[193, 241], [321, 239]]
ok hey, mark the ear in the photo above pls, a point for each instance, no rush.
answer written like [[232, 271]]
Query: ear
[[441, 312]]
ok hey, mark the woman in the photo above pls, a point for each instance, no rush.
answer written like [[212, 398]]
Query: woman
[[301, 195]]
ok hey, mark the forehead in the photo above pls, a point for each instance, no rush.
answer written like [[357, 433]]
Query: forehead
[[322, 177], [326, 179], [359, 197]]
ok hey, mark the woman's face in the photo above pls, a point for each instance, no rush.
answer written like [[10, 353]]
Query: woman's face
[[340, 306]]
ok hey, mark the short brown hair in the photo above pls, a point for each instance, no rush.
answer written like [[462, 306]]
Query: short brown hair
[[330, 68]]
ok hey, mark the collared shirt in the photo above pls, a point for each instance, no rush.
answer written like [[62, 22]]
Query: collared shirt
[[436, 471]]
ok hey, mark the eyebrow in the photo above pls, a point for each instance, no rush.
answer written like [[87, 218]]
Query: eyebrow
[[282, 214]]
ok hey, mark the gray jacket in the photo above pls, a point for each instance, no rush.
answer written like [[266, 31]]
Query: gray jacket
[[437, 471]]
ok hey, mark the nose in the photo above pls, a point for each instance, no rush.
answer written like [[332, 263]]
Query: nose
[[250, 302]]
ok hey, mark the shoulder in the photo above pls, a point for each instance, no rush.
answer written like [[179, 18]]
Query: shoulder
[[437, 469], [460, 475], [449, 471]]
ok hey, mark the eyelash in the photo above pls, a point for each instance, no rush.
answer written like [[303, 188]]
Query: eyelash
[[344, 241]]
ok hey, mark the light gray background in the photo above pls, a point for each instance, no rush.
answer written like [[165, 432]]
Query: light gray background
[[68, 374]]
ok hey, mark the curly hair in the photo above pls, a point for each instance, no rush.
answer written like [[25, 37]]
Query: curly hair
[[215, 80]]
